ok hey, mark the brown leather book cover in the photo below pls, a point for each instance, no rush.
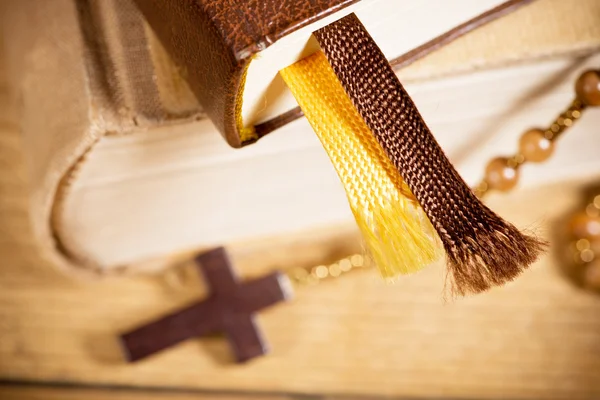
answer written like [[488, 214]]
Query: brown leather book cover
[[215, 41]]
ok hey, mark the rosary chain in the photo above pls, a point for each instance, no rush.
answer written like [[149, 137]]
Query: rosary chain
[[319, 273], [510, 164]]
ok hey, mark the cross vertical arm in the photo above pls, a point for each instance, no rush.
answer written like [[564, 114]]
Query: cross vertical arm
[[245, 337], [218, 271], [196, 320]]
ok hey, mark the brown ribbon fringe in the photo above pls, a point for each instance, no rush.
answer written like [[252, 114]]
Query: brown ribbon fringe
[[482, 249]]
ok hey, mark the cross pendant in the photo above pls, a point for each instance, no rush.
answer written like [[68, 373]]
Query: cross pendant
[[230, 308]]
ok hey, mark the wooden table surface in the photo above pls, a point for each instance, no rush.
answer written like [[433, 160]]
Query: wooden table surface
[[538, 337]]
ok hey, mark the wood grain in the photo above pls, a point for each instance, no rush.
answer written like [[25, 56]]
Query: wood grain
[[538, 338], [46, 392]]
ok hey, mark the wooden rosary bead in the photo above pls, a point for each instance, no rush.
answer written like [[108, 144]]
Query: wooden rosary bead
[[500, 176], [587, 88], [583, 226], [537, 145], [534, 146]]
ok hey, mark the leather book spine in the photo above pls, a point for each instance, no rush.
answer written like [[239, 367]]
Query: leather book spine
[[214, 42]]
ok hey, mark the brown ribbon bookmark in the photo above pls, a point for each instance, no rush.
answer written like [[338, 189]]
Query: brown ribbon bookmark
[[482, 249]]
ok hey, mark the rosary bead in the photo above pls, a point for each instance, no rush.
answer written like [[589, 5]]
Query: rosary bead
[[583, 226], [587, 88], [500, 176], [534, 146]]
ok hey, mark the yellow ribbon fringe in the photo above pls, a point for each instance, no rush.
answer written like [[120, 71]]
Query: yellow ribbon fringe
[[397, 232]]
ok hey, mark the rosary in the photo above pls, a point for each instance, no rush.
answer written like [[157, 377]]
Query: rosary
[[399, 187]]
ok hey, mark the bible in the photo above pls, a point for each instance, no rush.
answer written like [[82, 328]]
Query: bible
[[135, 169]]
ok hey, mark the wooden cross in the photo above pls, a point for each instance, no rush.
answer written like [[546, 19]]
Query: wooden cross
[[229, 308]]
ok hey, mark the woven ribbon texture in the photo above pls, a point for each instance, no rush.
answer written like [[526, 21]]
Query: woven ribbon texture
[[483, 250], [396, 232]]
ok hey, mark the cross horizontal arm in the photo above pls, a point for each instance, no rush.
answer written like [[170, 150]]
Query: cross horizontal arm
[[263, 292]]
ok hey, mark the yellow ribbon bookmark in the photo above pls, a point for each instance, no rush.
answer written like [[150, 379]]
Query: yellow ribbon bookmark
[[397, 232]]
